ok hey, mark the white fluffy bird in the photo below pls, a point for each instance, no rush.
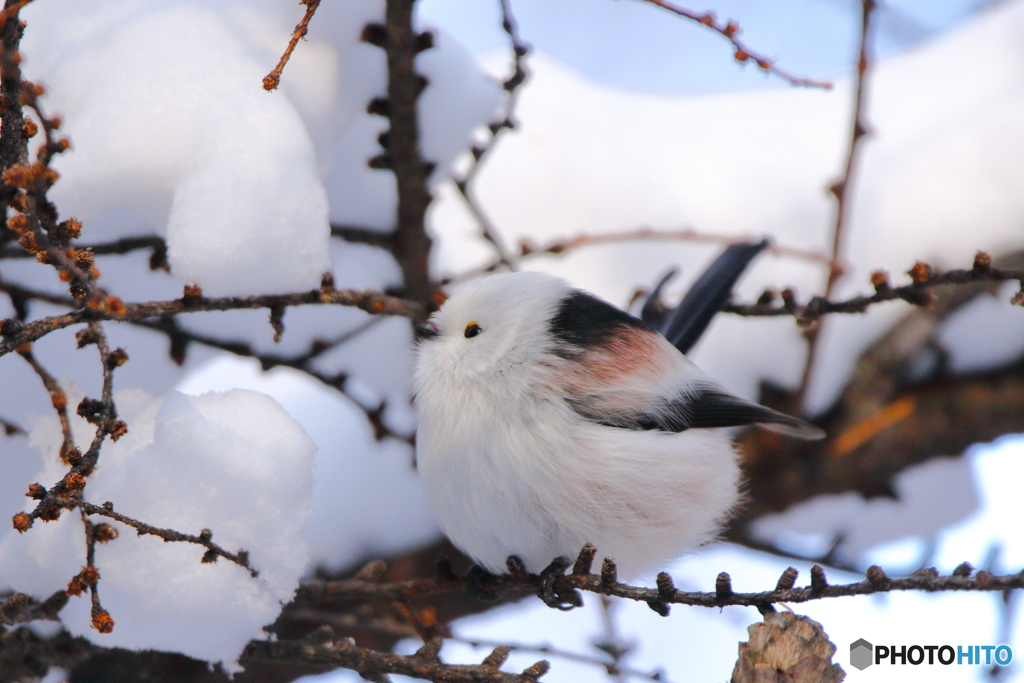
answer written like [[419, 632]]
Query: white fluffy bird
[[549, 419]]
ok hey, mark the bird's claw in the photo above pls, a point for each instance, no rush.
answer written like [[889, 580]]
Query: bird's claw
[[565, 599]]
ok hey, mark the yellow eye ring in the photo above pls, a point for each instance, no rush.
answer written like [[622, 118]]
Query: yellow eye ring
[[472, 329]]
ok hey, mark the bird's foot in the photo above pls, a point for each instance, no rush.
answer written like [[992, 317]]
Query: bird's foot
[[480, 585], [564, 599]]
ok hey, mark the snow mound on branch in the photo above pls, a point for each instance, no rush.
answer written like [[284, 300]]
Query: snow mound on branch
[[172, 130], [367, 497], [232, 462]]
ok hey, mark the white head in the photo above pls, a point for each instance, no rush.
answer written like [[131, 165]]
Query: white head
[[492, 325]]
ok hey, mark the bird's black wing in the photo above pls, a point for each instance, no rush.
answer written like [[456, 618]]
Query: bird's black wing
[[703, 408]]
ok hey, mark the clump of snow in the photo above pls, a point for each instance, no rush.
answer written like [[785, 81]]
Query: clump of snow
[[367, 498], [231, 462], [166, 111]]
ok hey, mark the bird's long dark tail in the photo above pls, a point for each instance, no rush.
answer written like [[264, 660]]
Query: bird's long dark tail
[[684, 325]]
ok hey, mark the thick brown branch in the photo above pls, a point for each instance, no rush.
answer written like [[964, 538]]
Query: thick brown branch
[[412, 245], [929, 581]]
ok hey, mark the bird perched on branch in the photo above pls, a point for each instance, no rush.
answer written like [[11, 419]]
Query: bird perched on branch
[[549, 419]]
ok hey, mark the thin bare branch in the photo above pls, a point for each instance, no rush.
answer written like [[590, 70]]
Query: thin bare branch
[[273, 79], [15, 335], [923, 279], [512, 86], [841, 188], [374, 665], [566, 245], [730, 30], [551, 651], [58, 399], [205, 537]]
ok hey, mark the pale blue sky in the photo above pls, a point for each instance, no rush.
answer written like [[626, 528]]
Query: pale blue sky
[[633, 44]]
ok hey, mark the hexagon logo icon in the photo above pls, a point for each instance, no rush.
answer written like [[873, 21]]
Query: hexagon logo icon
[[861, 654]]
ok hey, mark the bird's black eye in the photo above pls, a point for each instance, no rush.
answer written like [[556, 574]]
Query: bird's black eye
[[472, 330]]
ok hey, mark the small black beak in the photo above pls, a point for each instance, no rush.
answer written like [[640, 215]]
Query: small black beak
[[427, 330]]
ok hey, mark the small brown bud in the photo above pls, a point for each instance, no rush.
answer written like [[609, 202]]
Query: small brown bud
[[585, 560], [89, 575], [723, 586], [192, 293], [209, 557], [75, 481], [537, 670], [117, 429], [271, 81], [982, 263], [104, 533], [666, 587], [920, 273], [36, 491], [880, 280], [818, 580], [75, 587], [964, 570], [983, 579], [22, 522], [609, 573], [876, 576], [516, 567], [30, 129], [731, 29], [497, 657], [788, 579], [117, 358], [101, 621], [741, 56], [70, 229]]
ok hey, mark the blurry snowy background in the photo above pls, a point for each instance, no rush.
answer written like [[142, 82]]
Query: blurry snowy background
[[631, 118]]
